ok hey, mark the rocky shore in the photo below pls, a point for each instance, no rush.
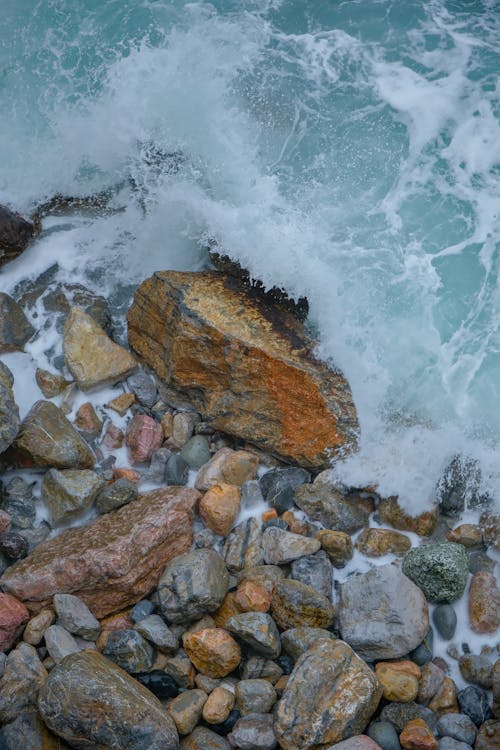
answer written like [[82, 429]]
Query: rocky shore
[[180, 569]]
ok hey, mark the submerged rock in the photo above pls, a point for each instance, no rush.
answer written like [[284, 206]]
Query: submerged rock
[[15, 233], [112, 562], [247, 367], [90, 702], [15, 329]]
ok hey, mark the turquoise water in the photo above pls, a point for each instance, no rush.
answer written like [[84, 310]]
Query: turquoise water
[[349, 151]]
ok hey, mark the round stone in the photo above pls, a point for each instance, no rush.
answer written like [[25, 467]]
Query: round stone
[[475, 704], [440, 570], [384, 734], [177, 470], [196, 452], [13, 545], [212, 651], [444, 618]]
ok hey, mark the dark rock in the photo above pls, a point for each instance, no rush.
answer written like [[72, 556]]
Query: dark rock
[[327, 505], [23, 676], [460, 486], [254, 732], [143, 387], [444, 618], [158, 465], [424, 651], [257, 630], [196, 452], [13, 546], [176, 470], [15, 329], [91, 702], [142, 609], [15, 233], [399, 714], [242, 548], [440, 570], [255, 696], [488, 737], [296, 641], [285, 663], [160, 683], [203, 738], [129, 650], [256, 667], [63, 296], [315, 571], [225, 727], [475, 704], [278, 486], [384, 734], [479, 560], [113, 496], [17, 500], [9, 413], [458, 726], [448, 743]]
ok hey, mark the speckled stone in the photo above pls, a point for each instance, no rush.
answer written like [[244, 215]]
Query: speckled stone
[[440, 570], [458, 726], [474, 702], [253, 732]]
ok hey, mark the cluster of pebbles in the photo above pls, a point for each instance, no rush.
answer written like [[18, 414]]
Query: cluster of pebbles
[[302, 617]]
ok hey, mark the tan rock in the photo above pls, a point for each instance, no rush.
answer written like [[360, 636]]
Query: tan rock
[[227, 609], [490, 526], [167, 423], [90, 355], [36, 627], [484, 603], [113, 561], [213, 651], [182, 427], [252, 597], [121, 404], [13, 615], [247, 367], [417, 736], [337, 545], [295, 525], [50, 383], [87, 421], [378, 542], [467, 534], [186, 710], [391, 513], [227, 466], [445, 700], [218, 706], [219, 507], [399, 680]]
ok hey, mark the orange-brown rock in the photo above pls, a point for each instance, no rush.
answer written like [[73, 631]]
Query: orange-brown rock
[[212, 651], [399, 680], [231, 467], [87, 421], [13, 615], [295, 525], [337, 545], [121, 404], [490, 526], [417, 736], [468, 534], [227, 609], [378, 542], [113, 561], [246, 366], [252, 597], [36, 627], [484, 603], [393, 514], [219, 507], [445, 700]]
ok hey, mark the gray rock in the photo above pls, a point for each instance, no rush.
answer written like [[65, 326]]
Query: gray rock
[[143, 387], [330, 694], [399, 714], [129, 650], [3, 659], [475, 703], [158, 633], [15, 328], [17, 500], [256, 667], [12, 545], [28, 731], [324, 503], [297, 641], [447, 743], [444, 618], [69, 493], [196, 452], [479, 560], [382, 614], [458, 726], [257, 630], [23, 676], [384, 734], [59, 642], [74, 615], [315, 571], [460, 486], [242, 548], [90, 702], [192, 585], [185, 709], [496, 689], [9, 413], [204, 739], [424, 651], [255, 696], [478, 669], [37, 535], [278, 486], [113, 496], [176, 470], [158, 466], [205, 539], [180, 669], [141, 610], [440, 570], [253, 732], [251, 495], [281, 546]]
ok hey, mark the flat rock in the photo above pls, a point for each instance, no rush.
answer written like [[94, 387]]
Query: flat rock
[[15, 328], [248, 368], [47, 438], [330, 695], [15, 233], [9, 412], [90, 702], [70, 492], [382, 614], [114, 561], [325, 504], [392, 513], [484, 603], [280, 546], [91, 356], [378, 542]]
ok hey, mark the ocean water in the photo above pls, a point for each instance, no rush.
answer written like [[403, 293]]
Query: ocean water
[[345, 150]]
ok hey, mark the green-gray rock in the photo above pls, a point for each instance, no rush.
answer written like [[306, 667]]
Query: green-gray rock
[[440, 570], [91, 703], [69, 493], [9, 413], [15, 329]]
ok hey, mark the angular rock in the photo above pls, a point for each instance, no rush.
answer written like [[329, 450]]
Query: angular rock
[[468, 534], [143, 437], [13, 615], [280, 546], [315, 571], [474, 702], [382, 614], [460, 486], [15, 233], [192, 585], [90, 702], [392, 513], [297, 641], [253, 732], [337, 544], [327, 505], [458, 726], [74, 615], [253, 597], [156, 631], [17, 500], [114, 496], [247, 368], [219, 507], [15, 329], [440, 570], [231, 467], [144, 388], [258, 631], [186, 710], [121, 404], [50, 383], [129, 650], [87, 421], [484, 603], [278, 486], [416, 735], [294, 604], [22, 679], [445, 700], [112, 562], [59, 643], [242, 548], [91, 356], [9, 413], [330, 695], [212, 651], [47, 438], [69, 493]]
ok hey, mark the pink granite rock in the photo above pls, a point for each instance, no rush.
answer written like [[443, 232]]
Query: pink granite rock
[[144, 437], [13, 614]]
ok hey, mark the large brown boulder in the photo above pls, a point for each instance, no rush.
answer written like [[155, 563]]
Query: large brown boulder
[[246, 365], [112, 562], [15, 233]]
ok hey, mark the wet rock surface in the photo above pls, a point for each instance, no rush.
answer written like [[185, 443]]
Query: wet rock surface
[[15, 234], [440, 570]]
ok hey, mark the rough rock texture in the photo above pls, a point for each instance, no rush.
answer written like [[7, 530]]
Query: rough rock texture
[[15, 328], [9, 413], [29, 731], [258, 631], [13, 614], [295, 604], [143, 437], [47, 438], [440, 570], [212, 651], [15, 233], [227, 466], [92, 703], [22, 679], [112, 562], [330, 695], [91, 357], [69, 493], [247, 367], [324, 503], [382, 614]]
